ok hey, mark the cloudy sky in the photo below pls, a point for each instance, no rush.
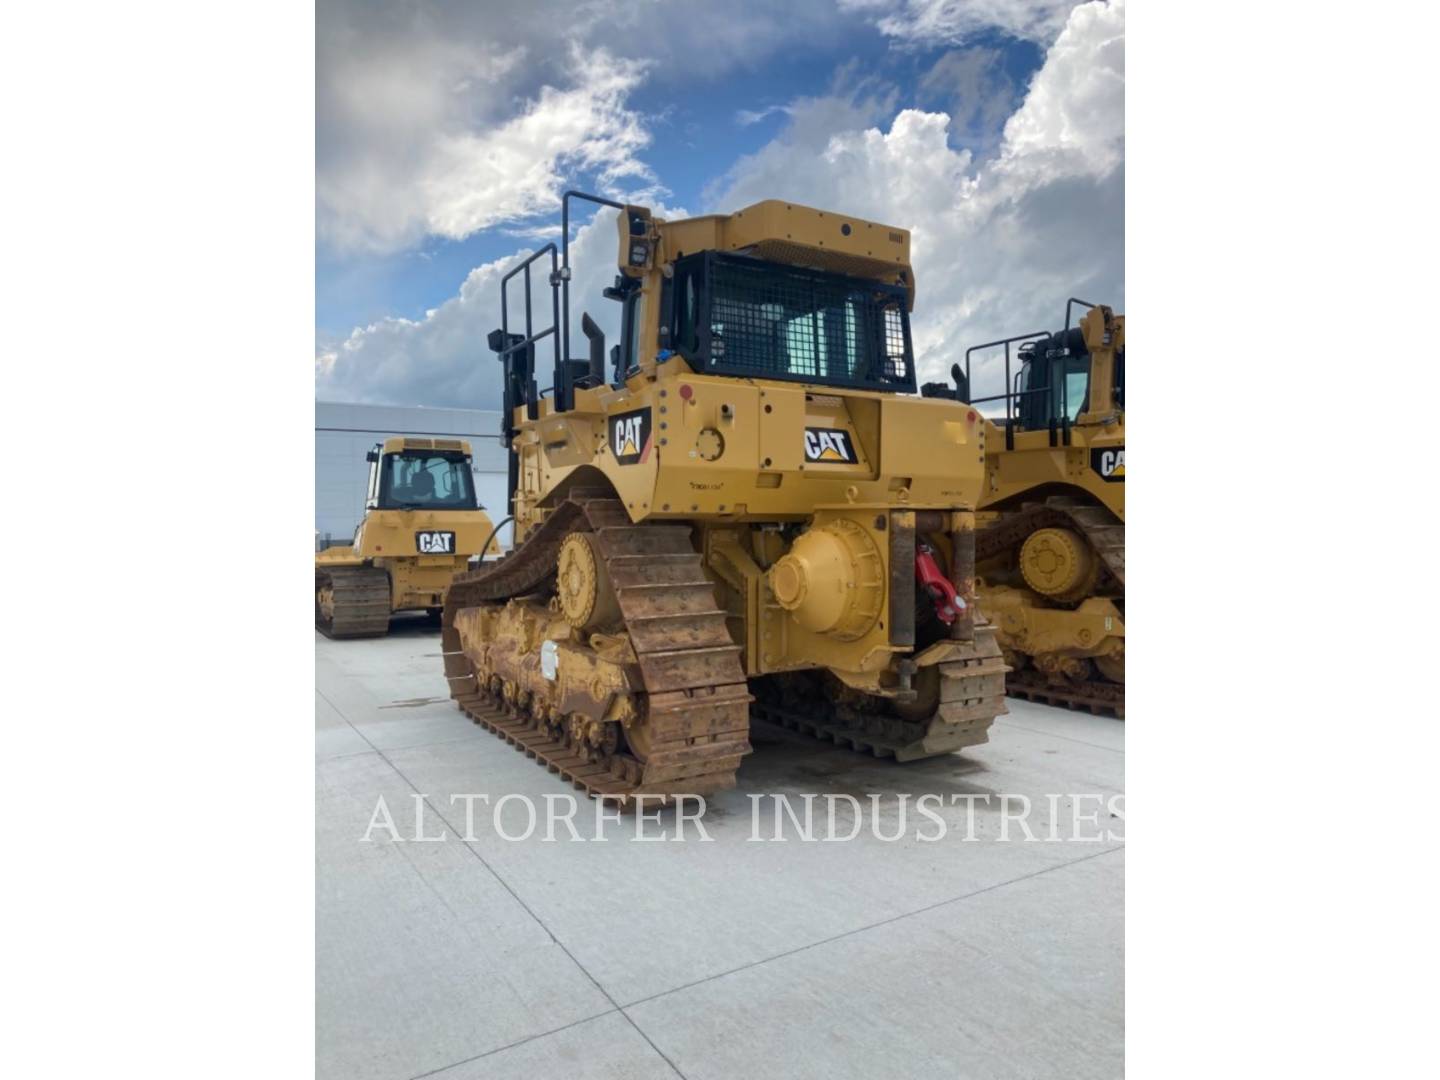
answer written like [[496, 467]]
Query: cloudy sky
[[993, 129]]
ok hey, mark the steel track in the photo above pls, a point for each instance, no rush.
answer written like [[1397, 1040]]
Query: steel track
[[695, 699], [1100, 698], [361, 601], [971, 696]]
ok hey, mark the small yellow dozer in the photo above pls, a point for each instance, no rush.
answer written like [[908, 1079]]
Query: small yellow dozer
[[422, 526]]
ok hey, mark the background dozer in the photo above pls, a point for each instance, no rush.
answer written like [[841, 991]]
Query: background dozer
[[1051, 541], [752, 508], [422, 526]]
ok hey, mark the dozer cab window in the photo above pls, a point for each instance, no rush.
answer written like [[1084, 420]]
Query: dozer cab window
[[420, 481], [1051, 388], [740, 316]]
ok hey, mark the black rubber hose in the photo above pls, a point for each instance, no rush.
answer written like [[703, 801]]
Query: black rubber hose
[[486, 546]]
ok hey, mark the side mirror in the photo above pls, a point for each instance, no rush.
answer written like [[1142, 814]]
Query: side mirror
[[372, 456]]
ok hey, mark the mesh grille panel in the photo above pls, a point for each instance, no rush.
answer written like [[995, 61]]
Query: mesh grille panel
[[777, 321]]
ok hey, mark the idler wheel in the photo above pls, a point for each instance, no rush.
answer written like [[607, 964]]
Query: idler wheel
[[583, 584], [1059, 564]]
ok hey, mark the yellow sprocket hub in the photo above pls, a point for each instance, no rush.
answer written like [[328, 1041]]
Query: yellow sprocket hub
[[581, 581], [832, 580], [1058, 563]]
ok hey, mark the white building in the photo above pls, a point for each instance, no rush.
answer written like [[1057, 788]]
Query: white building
[[344, 433]]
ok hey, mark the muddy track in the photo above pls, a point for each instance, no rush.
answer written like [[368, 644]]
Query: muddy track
[[694, 699], [352, 601], [1094, 695], [971, 696]]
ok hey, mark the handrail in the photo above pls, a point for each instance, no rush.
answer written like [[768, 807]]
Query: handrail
[[530, 336], [1010, 394], [1068, 304], [565, 255]]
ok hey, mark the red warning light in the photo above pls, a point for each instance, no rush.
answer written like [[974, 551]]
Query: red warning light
[[685, 391], [970, 416]]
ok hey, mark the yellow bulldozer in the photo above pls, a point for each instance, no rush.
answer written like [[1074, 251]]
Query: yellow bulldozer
[[422, 526], [1050, 546], [751, 513]]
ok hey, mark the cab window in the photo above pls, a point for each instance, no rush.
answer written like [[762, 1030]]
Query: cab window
[[420, 481]]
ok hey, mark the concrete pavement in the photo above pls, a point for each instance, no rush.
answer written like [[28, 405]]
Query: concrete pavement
[[460, 959]]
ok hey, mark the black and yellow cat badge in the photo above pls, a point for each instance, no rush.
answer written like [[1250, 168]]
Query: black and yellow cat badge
[[630, 436], [1109, 462], [829, 446]]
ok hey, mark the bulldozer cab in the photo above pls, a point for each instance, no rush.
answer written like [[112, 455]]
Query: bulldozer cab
[[1053, 384], [729, 298], [775, 291], [405, 475], [1063, 379]]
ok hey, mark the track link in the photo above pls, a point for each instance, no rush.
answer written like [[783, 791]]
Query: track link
[[1100, 698], [352, 601], [694, 699], [971, 696]]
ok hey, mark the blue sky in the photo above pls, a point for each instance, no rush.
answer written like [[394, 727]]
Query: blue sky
[[445, 133]]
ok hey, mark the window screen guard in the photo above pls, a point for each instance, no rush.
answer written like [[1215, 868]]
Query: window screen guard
[[745, 317]]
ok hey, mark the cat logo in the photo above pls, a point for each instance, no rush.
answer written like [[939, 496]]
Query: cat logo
[[435, 543], [829, 445], [1109, 462], [630, 436]]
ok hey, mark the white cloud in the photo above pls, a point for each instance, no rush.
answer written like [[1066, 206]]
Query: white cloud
[[997, 247], [931, 22], [442, 360], [459, 178], [746, 117], [974, 87], [515, 170], [445, 118]]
